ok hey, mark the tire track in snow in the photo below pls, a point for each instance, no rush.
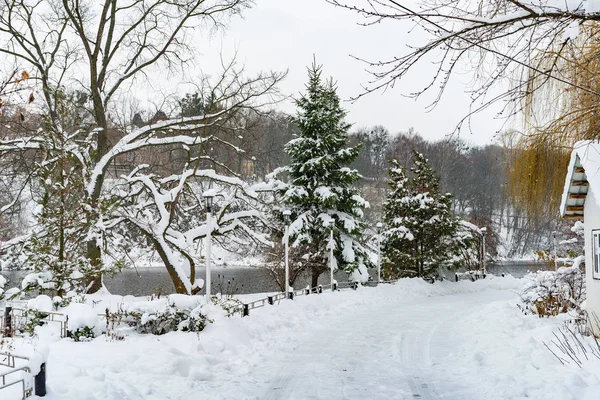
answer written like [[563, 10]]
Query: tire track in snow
[[372, 353]]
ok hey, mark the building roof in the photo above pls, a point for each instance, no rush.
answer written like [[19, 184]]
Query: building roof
[[583, 175]]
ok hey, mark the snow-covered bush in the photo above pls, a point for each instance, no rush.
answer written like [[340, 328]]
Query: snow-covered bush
[[231, 306], [82, 334], [170, 319], [34, 315], [158, 316], [82, 321], [549, 293], [33, 319]]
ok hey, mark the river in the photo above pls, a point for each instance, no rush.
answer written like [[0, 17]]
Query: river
[[242, 280]]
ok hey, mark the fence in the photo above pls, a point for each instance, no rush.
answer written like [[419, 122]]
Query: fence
[[14, 320], [470, 275], [12, 323], [39, 380], [270, 300]]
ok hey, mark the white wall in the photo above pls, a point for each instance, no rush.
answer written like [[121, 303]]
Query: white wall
[[591, 221]]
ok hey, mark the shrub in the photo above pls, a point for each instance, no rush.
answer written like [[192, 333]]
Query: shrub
[[82, 334], [549, 293], [575, 341], [34, 318], [231, 306], [171, 319]]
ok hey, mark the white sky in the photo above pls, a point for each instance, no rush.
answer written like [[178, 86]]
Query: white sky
[[284, 34]]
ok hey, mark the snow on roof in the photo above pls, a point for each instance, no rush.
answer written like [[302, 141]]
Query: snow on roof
[[583, 175]]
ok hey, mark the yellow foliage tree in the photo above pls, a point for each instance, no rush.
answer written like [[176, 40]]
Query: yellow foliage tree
[[556, 116]]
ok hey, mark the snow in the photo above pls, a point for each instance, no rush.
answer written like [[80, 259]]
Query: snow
[[41, 303], [572, 31], [461, 341], [471, 226], [81, 315], [209, 193]]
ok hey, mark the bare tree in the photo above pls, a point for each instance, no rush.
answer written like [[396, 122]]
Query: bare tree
[[102, 49]]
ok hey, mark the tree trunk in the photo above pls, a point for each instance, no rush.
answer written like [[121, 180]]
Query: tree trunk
[[316, 272], [93, 282], [94, 253], [175, 278]]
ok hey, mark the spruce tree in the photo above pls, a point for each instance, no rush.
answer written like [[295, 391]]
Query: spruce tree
[[422, 234], [320, 184]]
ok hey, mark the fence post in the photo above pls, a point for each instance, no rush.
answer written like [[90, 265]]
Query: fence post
[[291, 295], [8, 322], [320, 289], [307, 291], [270, 300], [246, 310], [334, 286], [40, 381], [455, 277]]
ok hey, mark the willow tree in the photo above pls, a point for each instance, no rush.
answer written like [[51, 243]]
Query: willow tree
[[555, 116]]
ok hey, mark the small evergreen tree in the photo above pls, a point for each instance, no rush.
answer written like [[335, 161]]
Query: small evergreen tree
[[422, 233], [321, 183]]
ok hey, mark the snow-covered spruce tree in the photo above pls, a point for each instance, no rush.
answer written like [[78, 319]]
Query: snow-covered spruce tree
[[422, 233], [320, 184]]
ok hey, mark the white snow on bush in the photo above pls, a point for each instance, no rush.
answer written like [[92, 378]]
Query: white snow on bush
[[80, 315], [40, 303]]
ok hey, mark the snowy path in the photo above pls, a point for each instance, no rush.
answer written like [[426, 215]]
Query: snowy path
[[411, 340], [389, 352]]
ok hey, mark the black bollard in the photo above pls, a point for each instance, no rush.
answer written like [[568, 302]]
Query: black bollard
[[307, 292], [334, 287], [246, 310], [8, 322], [291, 295], [40, 381], [320, 289], [456, 277], [270, 300]]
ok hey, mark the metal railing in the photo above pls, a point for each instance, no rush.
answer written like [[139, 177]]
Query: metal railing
[[270, 300], [19, 320], [25, 390], [9, 360], [39, 381], [470, 275]]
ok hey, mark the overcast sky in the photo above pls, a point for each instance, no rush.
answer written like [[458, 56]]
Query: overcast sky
[[284, 34]]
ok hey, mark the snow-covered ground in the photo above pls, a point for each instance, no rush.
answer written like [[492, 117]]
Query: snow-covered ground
[[411, 340]]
